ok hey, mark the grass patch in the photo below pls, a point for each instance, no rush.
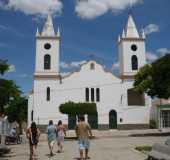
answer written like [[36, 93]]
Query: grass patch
[[144, 149]]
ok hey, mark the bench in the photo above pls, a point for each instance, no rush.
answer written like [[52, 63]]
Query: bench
[[159, 152]]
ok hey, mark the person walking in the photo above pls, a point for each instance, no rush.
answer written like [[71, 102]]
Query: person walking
[[83, 132], [61, 132], [33, 134], [51, 136]]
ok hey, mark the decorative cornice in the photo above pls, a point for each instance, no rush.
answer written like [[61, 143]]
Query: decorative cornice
[[48, 37], [130, 77], [131, 39], [57, 77]]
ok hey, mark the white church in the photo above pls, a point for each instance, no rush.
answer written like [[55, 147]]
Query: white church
[[118, 106]]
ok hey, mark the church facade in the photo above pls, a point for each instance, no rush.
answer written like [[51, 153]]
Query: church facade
[[118, 106]]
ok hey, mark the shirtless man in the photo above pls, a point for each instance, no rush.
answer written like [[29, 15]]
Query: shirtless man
[[83, 131]]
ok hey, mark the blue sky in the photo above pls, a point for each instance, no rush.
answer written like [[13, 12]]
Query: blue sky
[[89, 30]]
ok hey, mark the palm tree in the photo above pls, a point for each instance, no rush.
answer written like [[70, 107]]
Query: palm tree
[[4, 66]]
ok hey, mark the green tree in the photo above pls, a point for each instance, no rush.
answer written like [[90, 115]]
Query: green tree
[[143, 79], [17, 110], [8, 88], [154, 79], [4, 66]]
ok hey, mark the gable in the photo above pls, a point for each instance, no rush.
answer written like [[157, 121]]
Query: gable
[[92, 71]]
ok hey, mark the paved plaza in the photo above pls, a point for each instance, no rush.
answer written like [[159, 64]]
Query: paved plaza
[[102, 148]]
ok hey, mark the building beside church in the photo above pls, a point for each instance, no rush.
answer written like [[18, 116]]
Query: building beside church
[[118, 106]]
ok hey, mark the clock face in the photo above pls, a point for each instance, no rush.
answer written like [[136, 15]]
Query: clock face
[[47, 46], [134, 47]]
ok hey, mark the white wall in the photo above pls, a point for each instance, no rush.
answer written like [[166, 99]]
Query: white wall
[[30, 108], [113, 96], [53, 52], [126, 53]]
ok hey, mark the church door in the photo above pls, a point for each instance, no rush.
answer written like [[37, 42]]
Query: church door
[[112, 119], [93, 121], [71, 121]]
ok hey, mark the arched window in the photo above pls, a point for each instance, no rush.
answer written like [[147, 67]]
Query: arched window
[[92, 94], [92, 66], [48, 93], [97, 94], [87, 95], [32, 115], [134, 62], [47, 61]]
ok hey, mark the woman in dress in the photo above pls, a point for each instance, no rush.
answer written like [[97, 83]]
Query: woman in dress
[[33, 134], [51, 136], [61, 132]]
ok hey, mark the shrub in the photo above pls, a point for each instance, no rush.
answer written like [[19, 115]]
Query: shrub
[[144, 148], [152, 124], [72, 108]]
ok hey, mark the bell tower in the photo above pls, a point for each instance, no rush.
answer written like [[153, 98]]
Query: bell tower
[[131, 47], [47, 50]]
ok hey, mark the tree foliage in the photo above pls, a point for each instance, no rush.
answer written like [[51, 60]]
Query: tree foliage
[[4, 66], [8, 88], [143, 79], [154, 79], [72, 108], [17, 110]]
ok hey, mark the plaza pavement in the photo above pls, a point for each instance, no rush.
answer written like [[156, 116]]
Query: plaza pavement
[[105, 147]]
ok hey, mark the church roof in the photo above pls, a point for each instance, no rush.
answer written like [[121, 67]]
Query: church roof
[[48, 29], [131, 30]]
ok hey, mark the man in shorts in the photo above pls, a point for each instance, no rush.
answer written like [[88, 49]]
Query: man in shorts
[[83, 131]]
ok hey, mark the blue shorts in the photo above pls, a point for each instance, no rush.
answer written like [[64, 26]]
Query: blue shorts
[[84, 143]]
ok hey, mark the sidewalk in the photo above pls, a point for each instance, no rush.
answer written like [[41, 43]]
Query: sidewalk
[[116, 133], [121, 148], [107, 145]]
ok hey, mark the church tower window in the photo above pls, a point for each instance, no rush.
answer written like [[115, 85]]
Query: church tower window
[[48, 93], [92, 94], [92, 66], [134, 62], [134, 47], [97, 94], [47, 61], [87, 95], [47, 46]]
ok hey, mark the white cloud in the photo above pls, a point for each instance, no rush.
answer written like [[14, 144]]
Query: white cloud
[[77, 64], [71, 65], [89, 9], [34, 7], [65, 73], [151, 56], [151, 28], [24, 75], [163, 51], [12, 68], [64, 65], [116, 65]]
